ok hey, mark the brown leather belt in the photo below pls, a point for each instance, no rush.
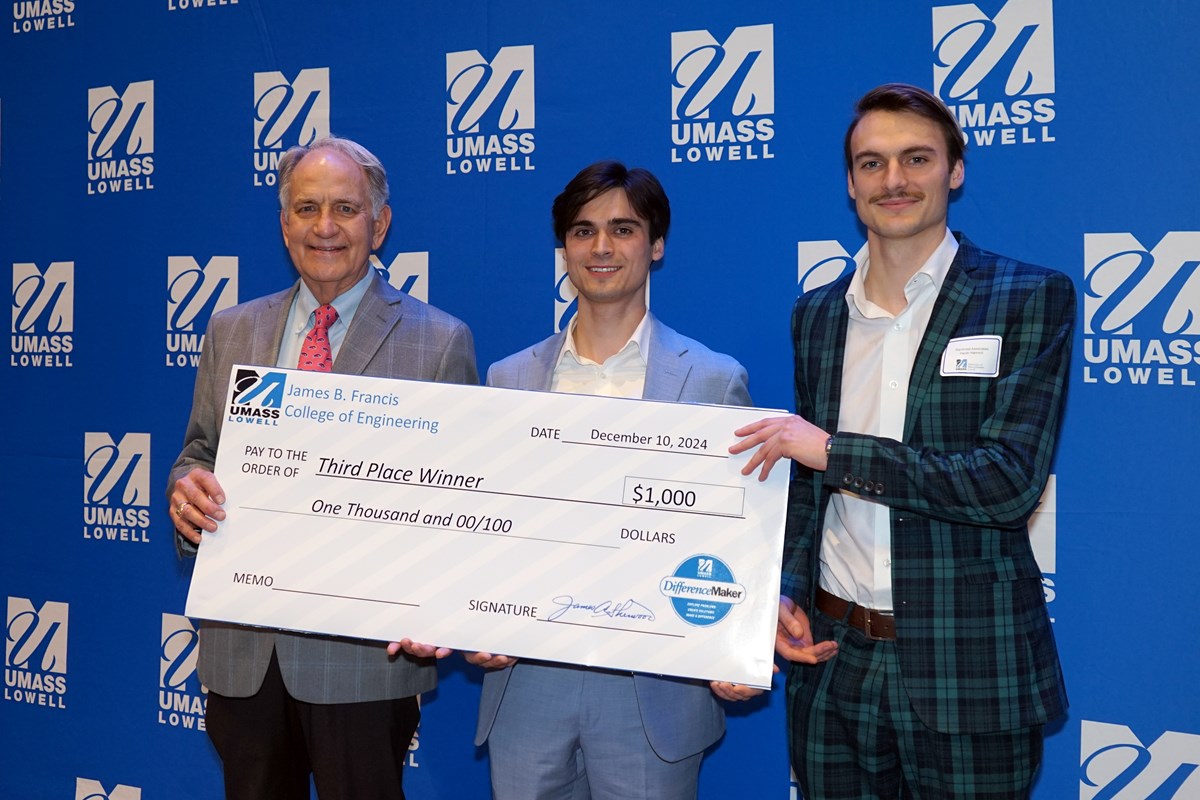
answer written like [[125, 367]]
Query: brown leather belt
[[874, 624]]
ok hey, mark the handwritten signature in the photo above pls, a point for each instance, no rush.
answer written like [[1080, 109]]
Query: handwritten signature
[[614, 609]]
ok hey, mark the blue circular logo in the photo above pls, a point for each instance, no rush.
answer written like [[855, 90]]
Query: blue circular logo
[[702, 590]]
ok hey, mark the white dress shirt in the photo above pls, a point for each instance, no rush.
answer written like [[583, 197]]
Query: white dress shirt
[[623, 374], [300, 319], [856, 549]]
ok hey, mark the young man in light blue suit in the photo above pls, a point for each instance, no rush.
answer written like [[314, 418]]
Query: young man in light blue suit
[[562, 731]]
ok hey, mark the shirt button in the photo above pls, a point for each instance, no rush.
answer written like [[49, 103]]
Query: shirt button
[[893, 384]]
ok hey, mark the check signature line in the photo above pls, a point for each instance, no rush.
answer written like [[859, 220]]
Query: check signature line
[[613, 628], [346, 597], [431, 527], [647, 449], [536, 497]]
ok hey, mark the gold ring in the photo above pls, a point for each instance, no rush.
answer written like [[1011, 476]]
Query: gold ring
[[179, 508]]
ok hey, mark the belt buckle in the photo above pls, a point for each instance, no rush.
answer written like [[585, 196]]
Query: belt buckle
[[868, 616]]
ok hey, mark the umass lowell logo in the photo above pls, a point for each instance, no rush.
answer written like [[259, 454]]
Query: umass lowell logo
[[722, 95], [90, 789], [408, 273], [32, 16], [566, 297], [1141, 309], [116, 487], [490, 112], [1115, 764], [181, 698], [286, 114], [993, 66], [120, 138], [43, 315], [822, 262], [35, 653], [195, 293], [257, 397]]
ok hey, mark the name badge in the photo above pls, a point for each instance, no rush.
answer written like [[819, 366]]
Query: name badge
[[972, 357]]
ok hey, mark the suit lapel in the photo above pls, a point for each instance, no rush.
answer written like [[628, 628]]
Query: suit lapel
[[947, 312], [538, 372], [379, 312], [269, 329], [828, 397], [668, 366]]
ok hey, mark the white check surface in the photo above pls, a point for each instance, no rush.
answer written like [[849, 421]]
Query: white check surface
[[600, 531]]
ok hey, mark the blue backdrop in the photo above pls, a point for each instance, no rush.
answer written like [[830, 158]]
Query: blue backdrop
[[137, 143]]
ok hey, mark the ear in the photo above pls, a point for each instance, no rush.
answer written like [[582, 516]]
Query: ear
[[657, 249], [957, 174], [382, 223], [850, 184], [283, 226]]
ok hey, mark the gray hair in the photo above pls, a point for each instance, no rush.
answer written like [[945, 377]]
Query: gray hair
[[377, 183]]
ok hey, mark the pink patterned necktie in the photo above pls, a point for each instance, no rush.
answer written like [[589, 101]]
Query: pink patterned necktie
[[316, 354]]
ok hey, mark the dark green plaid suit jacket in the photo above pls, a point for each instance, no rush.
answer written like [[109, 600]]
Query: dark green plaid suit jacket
[[975, 645]]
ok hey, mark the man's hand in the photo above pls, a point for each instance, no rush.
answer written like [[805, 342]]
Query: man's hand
[[489, 661], [791, 437], [793, 637], [417, 649], [196, 500], [733, 692]]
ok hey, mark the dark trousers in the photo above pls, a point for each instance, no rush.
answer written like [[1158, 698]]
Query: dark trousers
[[270, 743], [855, 736]]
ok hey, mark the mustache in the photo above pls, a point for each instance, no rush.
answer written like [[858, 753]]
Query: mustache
[[884, 196]]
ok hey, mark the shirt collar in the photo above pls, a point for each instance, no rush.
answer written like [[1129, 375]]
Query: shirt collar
[[346, 303], [932, 272], [638, 345]]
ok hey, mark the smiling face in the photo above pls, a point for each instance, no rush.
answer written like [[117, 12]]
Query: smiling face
[[900, 176], [608, 252], [328, 227]]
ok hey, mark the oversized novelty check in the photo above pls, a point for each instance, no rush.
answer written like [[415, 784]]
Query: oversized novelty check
[[599, 531]]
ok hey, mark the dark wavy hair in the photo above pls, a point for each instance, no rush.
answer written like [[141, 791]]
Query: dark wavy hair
[[643, 190], [914, 99]]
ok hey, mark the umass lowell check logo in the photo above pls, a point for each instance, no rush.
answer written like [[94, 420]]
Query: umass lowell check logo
[[1141, 309], [257, 396], [722, 95], [993, 66], [490, 111]]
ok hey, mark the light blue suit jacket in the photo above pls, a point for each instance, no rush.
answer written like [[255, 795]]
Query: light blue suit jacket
[[680, 717], [392, 336]]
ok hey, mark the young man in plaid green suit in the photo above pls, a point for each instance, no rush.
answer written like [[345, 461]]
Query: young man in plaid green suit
[[929, 390]]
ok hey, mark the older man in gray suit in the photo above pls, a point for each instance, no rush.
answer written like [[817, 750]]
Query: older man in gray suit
[[282, 706], [558, 731]]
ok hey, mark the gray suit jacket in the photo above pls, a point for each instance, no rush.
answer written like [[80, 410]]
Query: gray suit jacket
[[392, 335], [680, 717]]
